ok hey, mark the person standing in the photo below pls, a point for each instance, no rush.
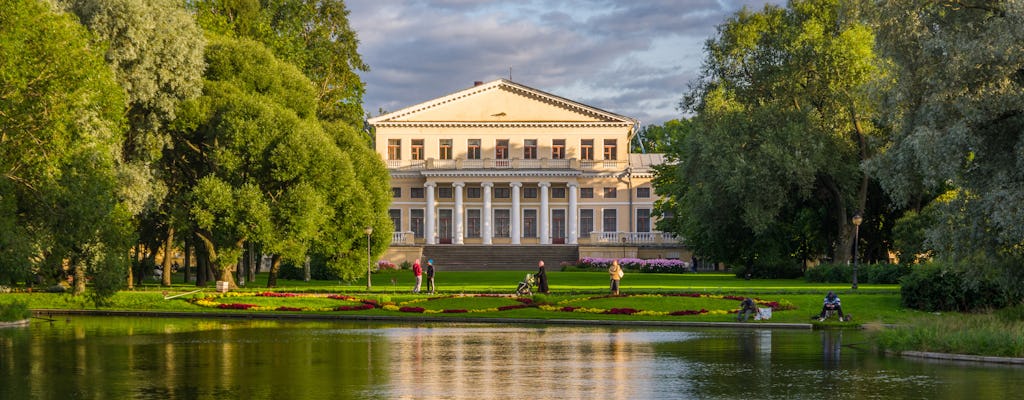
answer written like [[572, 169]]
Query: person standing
[[542, 278], [430, 276], [615, 271], [417, 270]]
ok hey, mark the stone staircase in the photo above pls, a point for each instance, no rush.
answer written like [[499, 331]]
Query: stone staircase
[[498, 257]]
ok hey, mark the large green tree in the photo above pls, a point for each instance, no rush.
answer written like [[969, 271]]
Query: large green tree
[[61, 130], [262, 167], [314, 35], [156, 51], [769, 169], [957, 107]]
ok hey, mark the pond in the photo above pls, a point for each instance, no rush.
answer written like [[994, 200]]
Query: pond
[[162, 358]]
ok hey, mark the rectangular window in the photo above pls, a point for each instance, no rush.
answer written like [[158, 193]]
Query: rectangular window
[[445, 149], [586, 222], [587, 149], [502, 193], [610, 149], [396, 219], [643, 192], [396, 192], [529, 223], [416, 222], [416, 193], [558, 193], [501, 222], [643, 220], [417, 149], [558, 149], [610, 192], [501, 149], [394, 149], [586, 193], [444, 192], [530, 193], [473, 149], [530, 149], [473, 192], [610, 221], [473, 222]]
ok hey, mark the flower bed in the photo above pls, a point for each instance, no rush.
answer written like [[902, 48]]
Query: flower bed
[[662, 266]]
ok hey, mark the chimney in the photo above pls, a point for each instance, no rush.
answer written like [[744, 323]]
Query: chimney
[[478, 83]]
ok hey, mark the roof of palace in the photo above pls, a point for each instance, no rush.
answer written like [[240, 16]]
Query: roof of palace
[[501, 103]]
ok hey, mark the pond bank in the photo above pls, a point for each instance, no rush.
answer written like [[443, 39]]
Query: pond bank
[[417, 318]]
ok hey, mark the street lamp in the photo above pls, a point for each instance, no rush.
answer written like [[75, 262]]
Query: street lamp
[[857, 219], [369, 263]]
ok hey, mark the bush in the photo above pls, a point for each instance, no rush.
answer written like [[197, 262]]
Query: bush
[[14, 311], [783, 271], [829, 273], [942, 287], [867, 273]]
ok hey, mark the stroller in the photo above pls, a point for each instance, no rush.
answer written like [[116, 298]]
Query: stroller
[[525, 286]]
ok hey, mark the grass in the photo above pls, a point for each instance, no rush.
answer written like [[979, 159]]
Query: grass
[[876, 307]]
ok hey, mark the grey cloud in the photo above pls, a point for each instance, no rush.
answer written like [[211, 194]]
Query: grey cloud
[[419, 50]]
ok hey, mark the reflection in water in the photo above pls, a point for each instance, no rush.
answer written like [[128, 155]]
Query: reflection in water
[[101, 358]]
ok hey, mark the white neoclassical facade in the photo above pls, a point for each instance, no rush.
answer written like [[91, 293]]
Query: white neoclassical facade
[[501, 163]]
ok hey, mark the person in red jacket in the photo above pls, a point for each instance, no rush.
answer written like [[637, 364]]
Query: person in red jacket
[[418, 271]]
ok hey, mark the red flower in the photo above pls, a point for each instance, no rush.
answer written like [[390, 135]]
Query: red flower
[[512, 307], [411, 309], [359, 307], [622, 311], [453, 311], [236, 306], [284, 308]]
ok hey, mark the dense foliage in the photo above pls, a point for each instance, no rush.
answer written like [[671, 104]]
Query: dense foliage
[[767, 173], [881, 273]]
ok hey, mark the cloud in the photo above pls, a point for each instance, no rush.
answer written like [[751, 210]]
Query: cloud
[[633, 58]]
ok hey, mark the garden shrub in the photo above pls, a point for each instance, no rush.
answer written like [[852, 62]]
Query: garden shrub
[[780, 271], [942, 287], [882, 273]]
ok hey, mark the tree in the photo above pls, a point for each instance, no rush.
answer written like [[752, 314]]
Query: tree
[[264, 170], [658, 138], [957, 107], [61, 128], [156, 51], [783, 117], [313, 35]]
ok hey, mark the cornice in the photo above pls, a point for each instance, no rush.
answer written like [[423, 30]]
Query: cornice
[[501, 124]]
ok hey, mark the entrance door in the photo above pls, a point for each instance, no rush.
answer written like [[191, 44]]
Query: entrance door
[[558, 226], [444, 226]]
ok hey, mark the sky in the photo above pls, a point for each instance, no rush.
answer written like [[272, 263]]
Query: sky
[[629, 57]]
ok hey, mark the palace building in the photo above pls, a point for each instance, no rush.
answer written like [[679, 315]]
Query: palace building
[[504, 168]]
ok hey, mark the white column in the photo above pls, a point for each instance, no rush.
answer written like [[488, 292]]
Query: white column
[[516, 218], [545, 230], [488, 217], [430, 230], [573, 213], [459, 230]]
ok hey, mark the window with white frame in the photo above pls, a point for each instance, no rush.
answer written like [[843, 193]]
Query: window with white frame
[[643, 220], [610, 222], [529, 223], [586, 221], [502, 221], [416, 222]]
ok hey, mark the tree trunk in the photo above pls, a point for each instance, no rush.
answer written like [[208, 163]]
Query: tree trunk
[[275, 266], [79, 284], [202, 261], [168, 254], [188, 258]]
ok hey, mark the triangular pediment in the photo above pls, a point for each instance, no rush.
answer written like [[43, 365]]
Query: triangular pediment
[[500, 101]]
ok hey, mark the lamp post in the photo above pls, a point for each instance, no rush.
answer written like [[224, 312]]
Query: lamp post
[[369, 263], [857, 219]]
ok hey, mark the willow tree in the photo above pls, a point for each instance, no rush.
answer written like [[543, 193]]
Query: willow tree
[[155, 49], [769, 169], [958, 111], [61, 129]]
